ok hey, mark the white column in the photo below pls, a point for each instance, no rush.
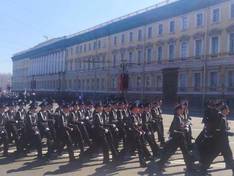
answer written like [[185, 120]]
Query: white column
[[63, 63], [47, 64], [50, 65]]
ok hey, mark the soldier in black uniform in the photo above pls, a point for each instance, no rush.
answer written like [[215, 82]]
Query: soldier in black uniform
[[62, 131], [148, 129], [136, 135], [102, 133], [178, 130], [43, 126], [217, 142], [3, 133], [156, 112], [31, 134], [74, 129]]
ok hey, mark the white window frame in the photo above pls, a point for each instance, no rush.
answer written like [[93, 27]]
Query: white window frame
[[230, 9], [159, 30], [203, 19], [182, 23], [194, 49], [149, 35], [158, 53], [169, 26], [200, 79], [187, 52], [186, 81], [229, 44], [169, 51], [212, 13], [217, 78], [211, 43]]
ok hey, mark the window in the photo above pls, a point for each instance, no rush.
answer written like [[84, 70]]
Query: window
[[114, 60], [172, 26], [99, 44], [140, 35], [122, 39], [102, 83], [214, 45], [122, 56], [171, 52], [213, 80], [71, 51], [216, 15], [184, 49], [114, 83], [139, 56], [232, 10], [160, 29], [90, 47], [95, 45], [115, 40], [103, 62], [197, 81], [231, 79], [160, 52], [184, 25], [148, 81], [199, 19], [138, 82], [149, 32], [183, 81], [198, 48], [84, 47], [77, 49], [97, 83], [159, 82], [130, 37], [130, 57], [149, 55], [232, 43]]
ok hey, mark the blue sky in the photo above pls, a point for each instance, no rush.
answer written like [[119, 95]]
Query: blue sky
[[23, 23]]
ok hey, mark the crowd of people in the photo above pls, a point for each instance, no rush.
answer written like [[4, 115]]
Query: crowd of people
[[117, 127]]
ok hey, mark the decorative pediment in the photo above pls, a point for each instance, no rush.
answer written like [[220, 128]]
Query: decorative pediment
[[215, 31], [131, 48], [160, 42], [139, 47], [171, 40], [184, 38], [122, 50], [199, 35], [149, 44], [230, 28]]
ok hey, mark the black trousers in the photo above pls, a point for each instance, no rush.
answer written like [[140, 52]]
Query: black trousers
[[64, 138], [31, 138], [4, 140], [45, 132], [212, 147], [177, 140]]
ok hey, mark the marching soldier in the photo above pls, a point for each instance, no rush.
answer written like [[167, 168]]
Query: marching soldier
[[62, 132], [149, 133], [3, 133], [178, 130], [156, 112], [31, 134], [102, 134], [217, 142], [43, 127]]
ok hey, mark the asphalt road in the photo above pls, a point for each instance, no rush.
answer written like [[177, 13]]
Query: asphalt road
[[91, 165]]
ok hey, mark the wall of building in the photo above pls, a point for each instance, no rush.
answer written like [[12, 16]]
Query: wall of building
[[199, 43]]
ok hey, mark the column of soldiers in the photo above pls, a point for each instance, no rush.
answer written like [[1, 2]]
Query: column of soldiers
[[119, 128]]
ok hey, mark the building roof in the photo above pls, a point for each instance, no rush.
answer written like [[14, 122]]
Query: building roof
[[176, 8]]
